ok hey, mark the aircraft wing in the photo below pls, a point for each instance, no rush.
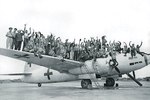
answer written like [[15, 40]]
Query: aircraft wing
[[56, 63]]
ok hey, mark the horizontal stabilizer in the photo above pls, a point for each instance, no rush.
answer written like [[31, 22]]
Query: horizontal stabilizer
[[16, 74]]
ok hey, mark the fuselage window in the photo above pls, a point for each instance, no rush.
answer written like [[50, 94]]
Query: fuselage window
[[131, 63], [135, 63], [140, 61]]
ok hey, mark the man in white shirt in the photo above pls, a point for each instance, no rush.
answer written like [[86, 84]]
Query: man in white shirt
[[9, 39]]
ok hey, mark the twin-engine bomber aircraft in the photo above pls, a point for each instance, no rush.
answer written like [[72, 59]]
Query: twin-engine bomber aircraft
[[50, 69]]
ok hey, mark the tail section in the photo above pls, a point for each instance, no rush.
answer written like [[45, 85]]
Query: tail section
[[27, 71], [29, 67]]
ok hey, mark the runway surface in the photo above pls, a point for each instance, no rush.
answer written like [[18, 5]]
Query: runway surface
[[73, 91]]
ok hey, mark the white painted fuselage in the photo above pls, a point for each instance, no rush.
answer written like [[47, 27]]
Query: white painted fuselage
[[38, 76], [126, 64]]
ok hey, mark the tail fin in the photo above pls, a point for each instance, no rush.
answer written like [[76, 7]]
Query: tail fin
[[29, 68]]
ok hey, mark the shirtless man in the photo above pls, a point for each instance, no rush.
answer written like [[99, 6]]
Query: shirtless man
[[138, 49], [133, 50]]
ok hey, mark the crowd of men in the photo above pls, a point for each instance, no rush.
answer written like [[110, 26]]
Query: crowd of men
[[82, 50]]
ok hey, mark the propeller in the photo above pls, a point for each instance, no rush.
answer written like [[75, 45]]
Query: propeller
[[135, 80], [113, 63], [133, 72], [117, 69]]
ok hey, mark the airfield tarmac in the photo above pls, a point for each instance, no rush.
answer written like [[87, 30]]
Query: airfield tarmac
[[72, 91]]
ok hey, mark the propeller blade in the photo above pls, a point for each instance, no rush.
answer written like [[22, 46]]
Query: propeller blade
[[117, 69], [134, 79], [133, 74], [114, 65]]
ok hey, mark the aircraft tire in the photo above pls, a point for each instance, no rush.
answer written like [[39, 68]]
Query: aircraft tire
[[86, 83], [110, 82], [39, 84]]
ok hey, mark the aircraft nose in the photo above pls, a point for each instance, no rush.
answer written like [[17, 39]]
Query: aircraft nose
[[147, 59]]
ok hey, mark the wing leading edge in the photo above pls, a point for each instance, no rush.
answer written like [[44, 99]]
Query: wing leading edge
[[56, 63]]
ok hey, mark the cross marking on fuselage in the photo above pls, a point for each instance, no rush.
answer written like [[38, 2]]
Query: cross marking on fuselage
[[48, 74]]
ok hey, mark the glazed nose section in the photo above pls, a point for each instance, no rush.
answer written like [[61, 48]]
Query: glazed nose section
[[147, 59]]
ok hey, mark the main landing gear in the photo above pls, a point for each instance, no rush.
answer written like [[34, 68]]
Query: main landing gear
[[110, 82], [39, 84], [86, 83]]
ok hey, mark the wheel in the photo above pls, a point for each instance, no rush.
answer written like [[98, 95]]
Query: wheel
[[110, 82], [39, 84], [86, 83]]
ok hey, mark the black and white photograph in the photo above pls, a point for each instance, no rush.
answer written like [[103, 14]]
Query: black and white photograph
[[74, 49]]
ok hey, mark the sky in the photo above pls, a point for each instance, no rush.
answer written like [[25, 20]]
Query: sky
[[119, 20]]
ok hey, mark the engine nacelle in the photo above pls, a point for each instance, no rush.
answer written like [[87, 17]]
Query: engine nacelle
[[91, 66]]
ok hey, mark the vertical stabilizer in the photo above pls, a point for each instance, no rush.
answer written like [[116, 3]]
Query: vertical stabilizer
[[29, 67]]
